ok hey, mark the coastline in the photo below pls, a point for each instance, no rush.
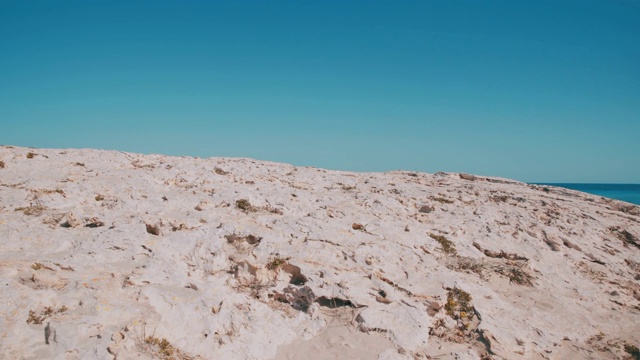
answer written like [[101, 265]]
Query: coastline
[[624, 192]]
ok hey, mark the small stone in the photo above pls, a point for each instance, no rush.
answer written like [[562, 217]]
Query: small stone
[[426, 209]]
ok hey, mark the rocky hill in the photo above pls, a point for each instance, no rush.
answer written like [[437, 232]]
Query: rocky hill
[[107, 254]]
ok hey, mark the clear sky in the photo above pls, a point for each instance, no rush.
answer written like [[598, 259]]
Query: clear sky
[[531, 90]]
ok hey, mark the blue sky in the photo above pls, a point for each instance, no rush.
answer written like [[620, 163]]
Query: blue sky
[[531, 90]]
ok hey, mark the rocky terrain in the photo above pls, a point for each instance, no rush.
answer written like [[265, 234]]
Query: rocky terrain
[[106, 254]]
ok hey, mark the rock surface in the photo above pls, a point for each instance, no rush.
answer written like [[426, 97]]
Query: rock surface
[[107, 255]]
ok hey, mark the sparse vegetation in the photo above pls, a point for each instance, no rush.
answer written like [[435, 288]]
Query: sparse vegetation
[[163, 347], [276, 263], [39, 266], [468, 265], [32, 210], [99, 197], [94, 223], [182, 226], [499, 198], [1, 164], [447, 246], [274, 210], [46, 313], [442, 200], [517, 275], [458, 304], [56, 191], [138, 165], [31, 155], [633, 351], [545, 189], [245, 205], [34, 318], [626, 237]]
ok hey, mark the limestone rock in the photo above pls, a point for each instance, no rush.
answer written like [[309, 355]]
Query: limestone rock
[[166, 263]]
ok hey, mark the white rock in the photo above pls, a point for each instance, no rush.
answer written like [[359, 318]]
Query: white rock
[[213, 298]]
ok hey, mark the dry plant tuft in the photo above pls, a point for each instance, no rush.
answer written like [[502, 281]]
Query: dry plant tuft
[[245, 205], [46, 313], [56, 191], [32, 210], [158, 348], [442, 200], [516, 275], [458, 304], [163, 347], [276, 263], [447, 246]]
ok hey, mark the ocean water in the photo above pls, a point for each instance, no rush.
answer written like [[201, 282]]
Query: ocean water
[[625, 192]]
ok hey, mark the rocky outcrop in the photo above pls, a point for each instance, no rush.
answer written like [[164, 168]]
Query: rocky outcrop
[[109, 255]]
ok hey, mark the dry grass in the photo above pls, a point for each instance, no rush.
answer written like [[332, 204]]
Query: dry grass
[[46, 313], [467, 265], [94, 223], [32, 210], [274, 210], [162, 347], [276, 263], [56, 191], [34, 318], [442, 200], [245, 205], [158, 348], [447, 246], [139, 165], [499, 198], [516, 275]]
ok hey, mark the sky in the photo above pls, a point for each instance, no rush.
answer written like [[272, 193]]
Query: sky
[[538, 91]]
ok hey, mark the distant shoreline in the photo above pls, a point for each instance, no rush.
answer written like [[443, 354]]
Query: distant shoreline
[[624, 192]]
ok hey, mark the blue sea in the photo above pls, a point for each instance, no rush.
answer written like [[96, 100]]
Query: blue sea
[[625, 192]]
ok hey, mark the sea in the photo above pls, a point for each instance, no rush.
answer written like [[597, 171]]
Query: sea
[[625, 192]]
